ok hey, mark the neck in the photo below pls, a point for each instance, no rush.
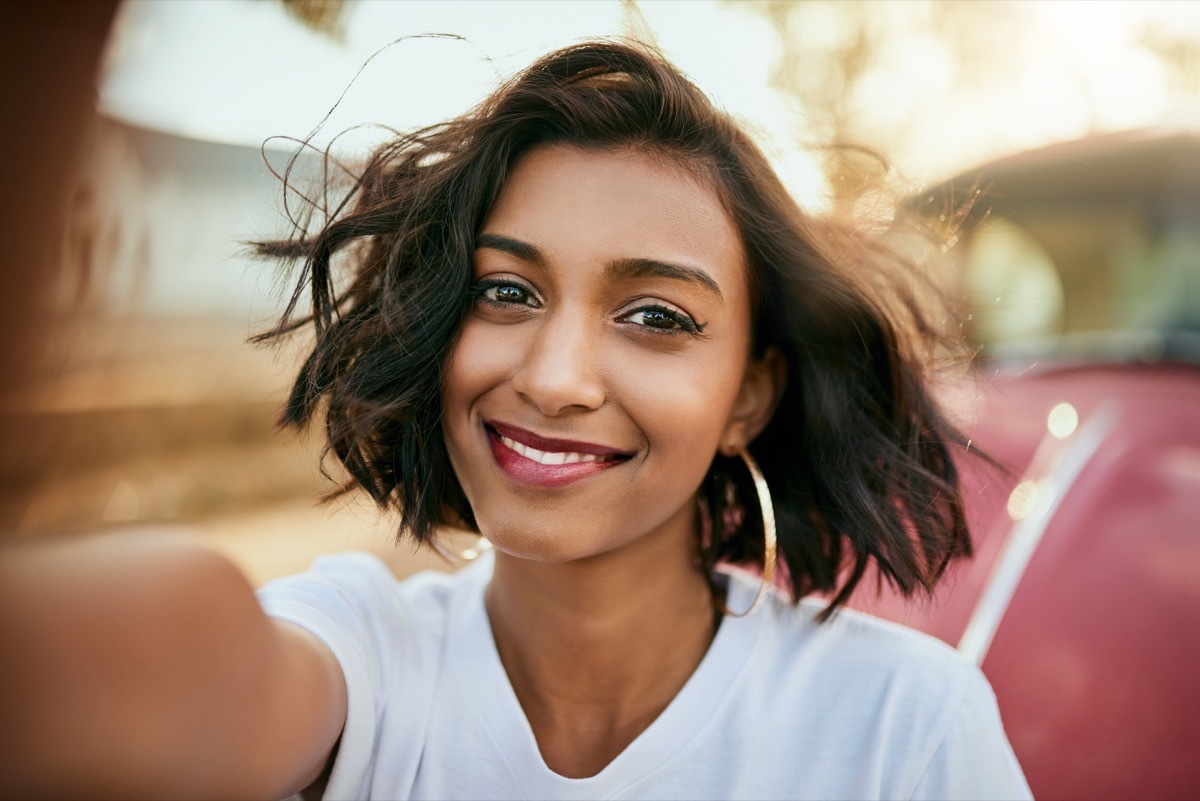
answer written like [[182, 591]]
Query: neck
[[596, 648]]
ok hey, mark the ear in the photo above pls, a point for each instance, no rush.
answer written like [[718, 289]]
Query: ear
[[762, 387]]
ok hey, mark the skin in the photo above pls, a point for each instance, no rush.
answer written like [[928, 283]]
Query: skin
[[142, 666], [597, 607], [135, 666]]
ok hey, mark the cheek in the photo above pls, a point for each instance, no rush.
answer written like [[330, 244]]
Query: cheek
[[477, 363], [683, 403]]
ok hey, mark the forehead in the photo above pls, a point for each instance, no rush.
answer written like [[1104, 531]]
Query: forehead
[[583, 203]]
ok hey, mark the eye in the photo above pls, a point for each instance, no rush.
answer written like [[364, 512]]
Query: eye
[[503, 292], [663, 319]]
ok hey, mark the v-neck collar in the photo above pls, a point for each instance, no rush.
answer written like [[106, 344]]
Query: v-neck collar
[[475, 662]]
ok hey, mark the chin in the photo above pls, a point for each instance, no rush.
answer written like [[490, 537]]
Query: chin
[[523, 541]]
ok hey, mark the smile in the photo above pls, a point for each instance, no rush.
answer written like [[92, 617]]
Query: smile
[[549, 457], [532, 459]]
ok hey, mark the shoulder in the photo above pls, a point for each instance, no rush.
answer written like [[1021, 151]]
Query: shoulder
[[388, 638], [368, 618], [851, 645], [862, 663], [361, 585], [920, 717], [865, 639]]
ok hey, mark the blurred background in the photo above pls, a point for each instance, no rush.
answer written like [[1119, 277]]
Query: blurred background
[[1053, 147], [149, 408]]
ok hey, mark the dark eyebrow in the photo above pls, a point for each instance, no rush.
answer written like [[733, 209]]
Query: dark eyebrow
[[621, 268], [514, 247], [652, 268]]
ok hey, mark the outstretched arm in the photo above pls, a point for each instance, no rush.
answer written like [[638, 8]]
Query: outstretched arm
[[143, 667]]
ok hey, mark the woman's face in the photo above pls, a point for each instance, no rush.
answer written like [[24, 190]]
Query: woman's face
[[602, 363]]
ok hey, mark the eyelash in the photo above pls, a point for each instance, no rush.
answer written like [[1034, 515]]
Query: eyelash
[[686, 324], [483, 291], [479, 292]]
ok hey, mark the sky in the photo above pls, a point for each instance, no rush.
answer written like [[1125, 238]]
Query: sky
[[243, 71]]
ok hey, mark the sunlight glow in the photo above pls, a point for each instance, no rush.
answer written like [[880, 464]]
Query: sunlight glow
[[936, 87], [1062, 421]]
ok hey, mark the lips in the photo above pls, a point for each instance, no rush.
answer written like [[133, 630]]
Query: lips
[[530, 458]]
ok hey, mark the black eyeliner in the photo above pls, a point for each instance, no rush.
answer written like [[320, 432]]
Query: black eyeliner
[[686, 324]]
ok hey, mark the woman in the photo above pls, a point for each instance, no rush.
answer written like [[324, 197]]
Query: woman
[[573, 313], [587, 321]]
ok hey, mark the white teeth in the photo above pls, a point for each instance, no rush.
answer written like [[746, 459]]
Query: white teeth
[[544, 457]]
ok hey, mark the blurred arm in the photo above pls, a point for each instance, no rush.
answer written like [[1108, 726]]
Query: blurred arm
[[143, 667]]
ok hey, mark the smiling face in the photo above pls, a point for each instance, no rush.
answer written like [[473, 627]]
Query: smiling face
[[605, 358]]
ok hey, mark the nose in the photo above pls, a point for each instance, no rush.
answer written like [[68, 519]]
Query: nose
[[560, 372]]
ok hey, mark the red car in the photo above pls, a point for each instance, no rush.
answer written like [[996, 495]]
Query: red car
[[1082, 265]]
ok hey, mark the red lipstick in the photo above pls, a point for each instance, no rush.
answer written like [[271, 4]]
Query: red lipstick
[[530, 458]]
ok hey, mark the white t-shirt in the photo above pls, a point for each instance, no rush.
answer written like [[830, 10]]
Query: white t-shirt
[[780, 707]]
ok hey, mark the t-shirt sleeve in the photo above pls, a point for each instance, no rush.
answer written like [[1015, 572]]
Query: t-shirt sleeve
[[350, 603], [974, 759]]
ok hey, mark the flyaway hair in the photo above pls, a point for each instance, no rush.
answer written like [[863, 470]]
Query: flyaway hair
[[858, 455]]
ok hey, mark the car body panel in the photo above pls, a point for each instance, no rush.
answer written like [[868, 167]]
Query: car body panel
[[1079, 268], [1094, 657]]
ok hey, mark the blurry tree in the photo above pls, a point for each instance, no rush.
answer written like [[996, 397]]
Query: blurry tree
[[939, 86], [1179, 52], [826, 51], [323, 16], [881, 75]]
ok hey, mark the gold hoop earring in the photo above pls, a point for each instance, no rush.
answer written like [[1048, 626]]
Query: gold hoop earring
[[469, 554], [768, 520], [475, 550]]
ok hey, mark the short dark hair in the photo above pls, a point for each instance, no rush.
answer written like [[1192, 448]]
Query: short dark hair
[[858, 455]]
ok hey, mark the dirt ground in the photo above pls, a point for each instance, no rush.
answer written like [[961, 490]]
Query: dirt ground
[[170, 424]]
